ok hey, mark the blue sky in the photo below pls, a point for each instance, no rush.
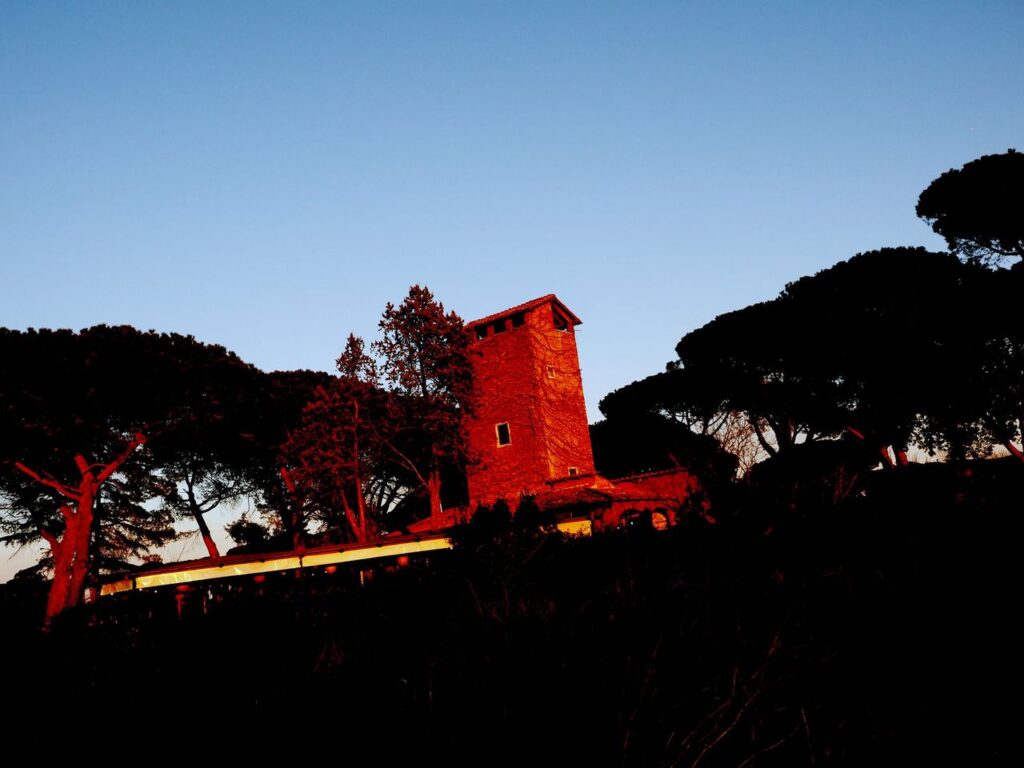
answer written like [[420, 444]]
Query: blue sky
[[268, 175]]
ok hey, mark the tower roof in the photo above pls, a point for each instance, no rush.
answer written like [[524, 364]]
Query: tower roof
[[526, 307]]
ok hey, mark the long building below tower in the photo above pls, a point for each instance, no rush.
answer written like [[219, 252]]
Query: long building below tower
[[528, 437]]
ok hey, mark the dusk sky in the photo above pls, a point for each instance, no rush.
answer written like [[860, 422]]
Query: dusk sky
[[268, 175]]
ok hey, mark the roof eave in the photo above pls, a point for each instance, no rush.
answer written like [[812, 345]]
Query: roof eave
[[528, 306]]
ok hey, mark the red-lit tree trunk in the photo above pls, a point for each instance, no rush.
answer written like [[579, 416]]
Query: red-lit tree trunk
[[434, 491], [357, 473], [197, 515], [899, 451], [887, 457], [204, 531], [1008, 442], [295, 522], [355, 521], [71, 550], [1014, 449], [71, 557], [360, 504]]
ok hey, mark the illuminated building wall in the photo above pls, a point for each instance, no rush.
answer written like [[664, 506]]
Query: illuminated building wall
[[530, 425]]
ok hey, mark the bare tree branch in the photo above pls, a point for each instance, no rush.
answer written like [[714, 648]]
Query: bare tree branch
[[113, 466], [48, 481]]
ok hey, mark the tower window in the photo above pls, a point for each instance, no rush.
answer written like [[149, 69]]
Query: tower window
[[481, 332], [500, 326], [504, 436], [561, 324], [518, 319], [573, 471], [551, 371]]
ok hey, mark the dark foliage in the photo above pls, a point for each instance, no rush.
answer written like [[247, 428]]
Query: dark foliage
[[646, 442], [75, 410], [528, 516], [426, 366], [896, 347], [979, 209], [284, 397], [876, 631]]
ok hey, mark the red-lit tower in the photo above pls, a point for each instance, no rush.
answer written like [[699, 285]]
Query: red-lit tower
[[530, 425]]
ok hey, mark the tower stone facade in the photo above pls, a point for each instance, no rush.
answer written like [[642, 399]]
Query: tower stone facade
[[530, 425]]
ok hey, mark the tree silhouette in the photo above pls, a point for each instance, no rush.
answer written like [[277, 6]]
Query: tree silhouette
[[426, 368], [210, 457], [901, 330], [74, 411], [285, 397], [333, 452], [632, 443], [891, 347], [762, 361], [979, 209], [1002, 371], [693, 399]]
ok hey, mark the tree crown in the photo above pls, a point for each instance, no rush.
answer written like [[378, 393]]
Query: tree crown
[[979, 209]]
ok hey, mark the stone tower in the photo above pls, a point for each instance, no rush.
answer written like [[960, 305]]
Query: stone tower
[[530, 425]]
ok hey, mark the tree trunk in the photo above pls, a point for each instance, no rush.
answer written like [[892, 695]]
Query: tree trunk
[[769, 449], [204, 530], [357, 479], [886, 457], [434, 490], [197, 515], [71, 553], [361, 505], [294, 522], [1014, 449], [71, 562], [350, 518]]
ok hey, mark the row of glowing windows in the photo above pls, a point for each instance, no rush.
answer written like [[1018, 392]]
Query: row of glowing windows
[[500, 326], [518, 319]]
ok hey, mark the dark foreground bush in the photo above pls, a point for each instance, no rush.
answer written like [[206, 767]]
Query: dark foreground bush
[[876, 632]]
